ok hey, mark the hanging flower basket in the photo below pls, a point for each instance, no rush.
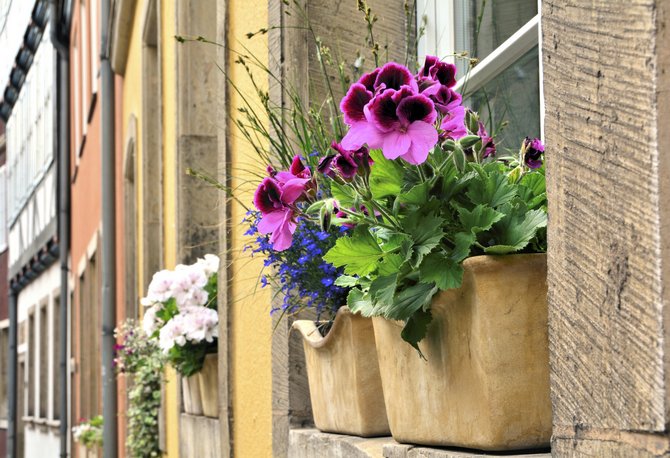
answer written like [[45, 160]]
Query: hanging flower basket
[[484, 382], [344, 383]]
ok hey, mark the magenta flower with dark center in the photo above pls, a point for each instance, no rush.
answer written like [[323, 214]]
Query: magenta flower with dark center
[[394, 76], [404, 120], [446, 99], [532, 152], [368, 80], [434, 74], [298, 169], [267, 197], [353, 103], [325, 164], [488, 147], [453, 124]]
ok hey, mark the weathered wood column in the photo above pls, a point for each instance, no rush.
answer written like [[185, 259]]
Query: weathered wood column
[[607, 124]]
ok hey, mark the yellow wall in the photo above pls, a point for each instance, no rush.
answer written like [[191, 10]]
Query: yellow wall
[[251, 328], [168, 63]]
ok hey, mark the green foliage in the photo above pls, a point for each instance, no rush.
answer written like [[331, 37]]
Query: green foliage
[[142, 362], [429, 219], [89, 433]]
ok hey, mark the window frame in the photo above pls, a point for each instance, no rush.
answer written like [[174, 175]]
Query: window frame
[[506, 54]]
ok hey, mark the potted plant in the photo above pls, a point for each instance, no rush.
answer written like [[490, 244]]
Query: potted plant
[[340, 353], [444, 254], [88, 434], [181, 315]]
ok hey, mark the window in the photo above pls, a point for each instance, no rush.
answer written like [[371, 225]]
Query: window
[[3, 208], [504, 87], [55, 359], [31, 364], [43, 374], [4, 362]]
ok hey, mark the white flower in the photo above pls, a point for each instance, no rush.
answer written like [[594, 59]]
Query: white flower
[[160, 288], [210, 264], [150, 322], [188, 286], [193, 324]]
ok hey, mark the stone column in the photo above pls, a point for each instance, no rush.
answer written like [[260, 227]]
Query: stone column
[[606, 87]]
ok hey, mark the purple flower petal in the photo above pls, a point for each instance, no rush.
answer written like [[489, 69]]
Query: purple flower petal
[[393, 76], [382, 112], [532, 152], [427, 63], [396, 144], [446, 99], [416, 108], [324, 166], [353, 103], [453, 124], [267, 197], [368, 80], [293, 189], [298, 169], [424, 138], [361, 133], [282, 238], [272, 221]]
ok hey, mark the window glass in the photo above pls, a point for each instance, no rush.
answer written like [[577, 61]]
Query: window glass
[[509, 105]]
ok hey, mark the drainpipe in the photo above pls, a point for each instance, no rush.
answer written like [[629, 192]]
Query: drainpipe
[[12, 414], [109, 402], [59, 39]]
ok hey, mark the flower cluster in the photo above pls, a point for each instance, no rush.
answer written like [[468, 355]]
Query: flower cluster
[[276, 198], [181, 312], [89, 432], [142, 362], [300, 272], [402, 114]]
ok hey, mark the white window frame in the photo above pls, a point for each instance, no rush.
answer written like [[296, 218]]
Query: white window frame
[[439, 40]]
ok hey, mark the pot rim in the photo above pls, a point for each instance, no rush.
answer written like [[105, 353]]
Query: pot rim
[[311, 334]]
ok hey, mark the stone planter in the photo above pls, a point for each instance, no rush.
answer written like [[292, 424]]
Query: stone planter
[[190, 388], [208, 380], [485, 383], [343, 372]]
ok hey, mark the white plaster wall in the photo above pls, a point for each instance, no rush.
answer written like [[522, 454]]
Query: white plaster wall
[[41, 442]]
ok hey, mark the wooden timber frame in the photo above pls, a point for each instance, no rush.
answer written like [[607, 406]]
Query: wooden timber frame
[[607, 95]]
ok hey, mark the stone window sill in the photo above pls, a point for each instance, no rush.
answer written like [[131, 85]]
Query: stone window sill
[[304, 443]]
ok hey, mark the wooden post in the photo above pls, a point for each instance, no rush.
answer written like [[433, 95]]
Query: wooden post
[[606, 84]]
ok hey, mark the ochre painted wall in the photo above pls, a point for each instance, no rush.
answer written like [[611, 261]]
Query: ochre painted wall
[[251, 327], [168, 63]]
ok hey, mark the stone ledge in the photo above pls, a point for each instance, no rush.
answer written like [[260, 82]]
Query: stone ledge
[[312, 443]]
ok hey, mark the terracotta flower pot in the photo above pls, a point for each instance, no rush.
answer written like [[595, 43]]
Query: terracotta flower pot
[[208, 379], [343, 372], [485, 383], [190, 388]]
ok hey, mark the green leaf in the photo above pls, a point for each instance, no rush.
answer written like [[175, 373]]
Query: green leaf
[[532, 190], [358, 254], [459, 159], [416, 328], [418, 195], [385, 176], [516, 230], [426, 232], [463, 241], [443, 271], [346, 281], [493, 190], [410, 300], [359, 302], [343, 194], [391, 264], [480, 219], [383, 289]]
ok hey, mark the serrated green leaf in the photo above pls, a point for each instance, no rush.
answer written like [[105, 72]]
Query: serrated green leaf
[[382, 289], [493, 190], [440, 269], [463, 242], [409, 300], [391, 263], [386, 176], [480, 219], [343, 194], [418, 195], [426, 232], [346, 281], [358, 254], [359, 302], [516, 230], [416, 328], [532, 190]]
